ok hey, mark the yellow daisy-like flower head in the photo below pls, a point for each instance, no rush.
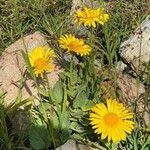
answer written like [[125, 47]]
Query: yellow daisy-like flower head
[[41, 59], [112, 120], [89, 17], [73, 44]]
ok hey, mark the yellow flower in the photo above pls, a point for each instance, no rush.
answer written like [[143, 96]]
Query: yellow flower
[[112, 121], [73, 44], [41, 58], [89, 17]]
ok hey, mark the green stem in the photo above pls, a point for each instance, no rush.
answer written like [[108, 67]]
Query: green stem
[[71, 77], [92, 57], [49, 88], [49, 124], [60, 114], [30, 68], [51, 131], [64, 106], [19, 95], [113, 146], [49, 95]]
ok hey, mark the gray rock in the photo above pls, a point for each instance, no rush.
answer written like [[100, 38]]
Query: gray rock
[[73, 145], [12, 68], [129, 87], [136, 50], [136, 53], [21, 122], [78, 4], [69, 145], [133, 94]]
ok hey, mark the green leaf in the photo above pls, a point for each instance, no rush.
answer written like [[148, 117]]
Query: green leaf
[[62, 127], [75, 126], [66, 120], [88, 105], [2, 96], [57, 92], [80, 100], [39, 137], [27, 61], [43, 92], [14, 106]]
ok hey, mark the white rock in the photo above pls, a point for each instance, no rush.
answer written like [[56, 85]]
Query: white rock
[[136, 50], [12, 67], [121, 66]]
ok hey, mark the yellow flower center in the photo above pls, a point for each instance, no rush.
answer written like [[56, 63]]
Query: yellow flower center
[[40, 64], [90, 16], [74, 46], [111, 119]]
